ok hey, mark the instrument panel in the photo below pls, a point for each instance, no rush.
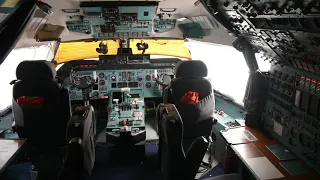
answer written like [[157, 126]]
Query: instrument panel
[[115, 80], [292, 112], [286, 34]]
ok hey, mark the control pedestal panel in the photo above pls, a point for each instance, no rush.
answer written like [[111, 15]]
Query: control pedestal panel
[[126, 116]]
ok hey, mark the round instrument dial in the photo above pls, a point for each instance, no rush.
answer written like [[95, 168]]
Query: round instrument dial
[[312, 146], [293, 142], [304, 140], [95, 94], [113, 78], [76, 81], [295, 132], [102, 82], [148, 85], [89, 79], [148, 77], [101, 75]]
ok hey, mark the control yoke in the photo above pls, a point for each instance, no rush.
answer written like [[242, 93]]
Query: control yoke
[[165, 79], [84, 83]]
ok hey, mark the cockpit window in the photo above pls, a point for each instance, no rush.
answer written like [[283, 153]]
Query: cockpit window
[[8, 68], [227, 68], [263, 63]]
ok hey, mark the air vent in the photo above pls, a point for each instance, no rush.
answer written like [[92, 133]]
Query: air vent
[[204, 22]]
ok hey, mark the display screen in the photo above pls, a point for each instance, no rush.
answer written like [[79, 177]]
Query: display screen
[[135, 95], [117, 95], [95, 87], [124, 51]]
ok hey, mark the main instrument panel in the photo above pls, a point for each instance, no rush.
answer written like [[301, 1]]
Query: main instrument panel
[[119, 19], [114, 80]]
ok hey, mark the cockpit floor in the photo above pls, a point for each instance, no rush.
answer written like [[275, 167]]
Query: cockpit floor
[[148, 170], [115, 171]]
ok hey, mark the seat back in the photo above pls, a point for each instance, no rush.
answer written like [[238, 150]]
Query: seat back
[[197, 117], [80, 157], [171, 154], [41, 107], [174, 162]]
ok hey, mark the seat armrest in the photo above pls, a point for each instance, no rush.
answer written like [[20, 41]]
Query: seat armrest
[[194, 157]]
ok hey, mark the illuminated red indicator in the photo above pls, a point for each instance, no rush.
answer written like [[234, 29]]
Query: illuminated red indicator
[[314, 81], [308, 79], [31, 100]]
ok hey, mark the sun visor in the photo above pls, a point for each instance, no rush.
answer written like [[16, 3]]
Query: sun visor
[[69, 51], [166, 47]]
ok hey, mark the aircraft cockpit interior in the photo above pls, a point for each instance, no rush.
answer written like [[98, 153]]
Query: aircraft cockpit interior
[[159, 89]]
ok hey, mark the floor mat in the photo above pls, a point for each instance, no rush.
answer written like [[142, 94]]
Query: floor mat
[[143, 171], [217, 171]]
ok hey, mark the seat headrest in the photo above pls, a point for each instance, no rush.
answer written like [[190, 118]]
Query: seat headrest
[[36, 70], [194, 68]]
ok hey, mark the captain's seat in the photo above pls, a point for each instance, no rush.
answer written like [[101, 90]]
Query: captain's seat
[[197, 117], [42, 110]]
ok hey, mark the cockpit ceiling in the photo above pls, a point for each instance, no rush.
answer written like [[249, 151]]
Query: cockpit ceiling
[[76, 20], [69, 51]]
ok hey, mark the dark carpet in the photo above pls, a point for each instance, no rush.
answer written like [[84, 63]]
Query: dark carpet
[[106, 169]]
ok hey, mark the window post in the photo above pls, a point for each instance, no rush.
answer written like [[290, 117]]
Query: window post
[[256, 91]]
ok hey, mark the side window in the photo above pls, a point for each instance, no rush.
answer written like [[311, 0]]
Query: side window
[[227, 67], [8, 68], [264, 65]]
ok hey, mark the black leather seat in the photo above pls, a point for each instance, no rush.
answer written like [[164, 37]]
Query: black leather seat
[[174, 161], [80, 157], [42, 110], [197, 118]]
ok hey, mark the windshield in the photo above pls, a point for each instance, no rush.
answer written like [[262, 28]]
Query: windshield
[[228, 79]]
